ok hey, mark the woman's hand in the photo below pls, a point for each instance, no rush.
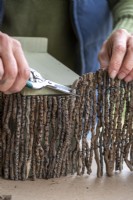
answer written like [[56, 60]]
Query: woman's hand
[[14, 69], [116, 55]]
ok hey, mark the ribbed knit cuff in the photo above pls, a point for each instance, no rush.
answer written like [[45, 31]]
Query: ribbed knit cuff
[[125, 22]]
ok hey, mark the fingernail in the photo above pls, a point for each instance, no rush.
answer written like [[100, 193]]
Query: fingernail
[[7, 92], [113, 74], [128, 78], [121, 76], [103, 68], [104, 65]]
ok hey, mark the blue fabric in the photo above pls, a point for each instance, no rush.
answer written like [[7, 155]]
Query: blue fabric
[[92, 22]]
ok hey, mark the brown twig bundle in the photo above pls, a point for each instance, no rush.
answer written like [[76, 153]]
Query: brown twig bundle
[[52, 136]]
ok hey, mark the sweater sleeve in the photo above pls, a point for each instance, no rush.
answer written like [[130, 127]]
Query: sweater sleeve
[[123, 15]]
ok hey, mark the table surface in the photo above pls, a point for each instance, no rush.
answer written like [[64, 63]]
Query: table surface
[[118, 187]]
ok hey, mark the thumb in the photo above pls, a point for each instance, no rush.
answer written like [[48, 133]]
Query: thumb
[[103, 57]]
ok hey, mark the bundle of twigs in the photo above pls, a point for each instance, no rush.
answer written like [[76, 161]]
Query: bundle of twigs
[[47, 136]]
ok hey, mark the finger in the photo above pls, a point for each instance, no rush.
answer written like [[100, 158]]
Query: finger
[[22, 63], [23, 69], [129, 77], [10, 70], [127, 64], [17, 86], [103, 56], [1, 70], [9, 63], [119, 43]]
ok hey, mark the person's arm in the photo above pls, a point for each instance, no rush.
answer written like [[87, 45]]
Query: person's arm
[[116, 54], [123, 15]]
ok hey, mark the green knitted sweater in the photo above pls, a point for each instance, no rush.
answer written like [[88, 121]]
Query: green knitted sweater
[[122, 11]]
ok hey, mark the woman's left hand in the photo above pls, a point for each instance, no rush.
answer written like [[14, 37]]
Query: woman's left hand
[[116, 55]]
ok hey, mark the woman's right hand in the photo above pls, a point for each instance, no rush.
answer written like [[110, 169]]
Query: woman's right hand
[[14, 69]]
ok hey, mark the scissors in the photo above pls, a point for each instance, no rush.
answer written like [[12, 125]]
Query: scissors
[[36, 81]]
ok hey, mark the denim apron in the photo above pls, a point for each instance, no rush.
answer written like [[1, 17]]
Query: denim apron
[[92, 21]]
